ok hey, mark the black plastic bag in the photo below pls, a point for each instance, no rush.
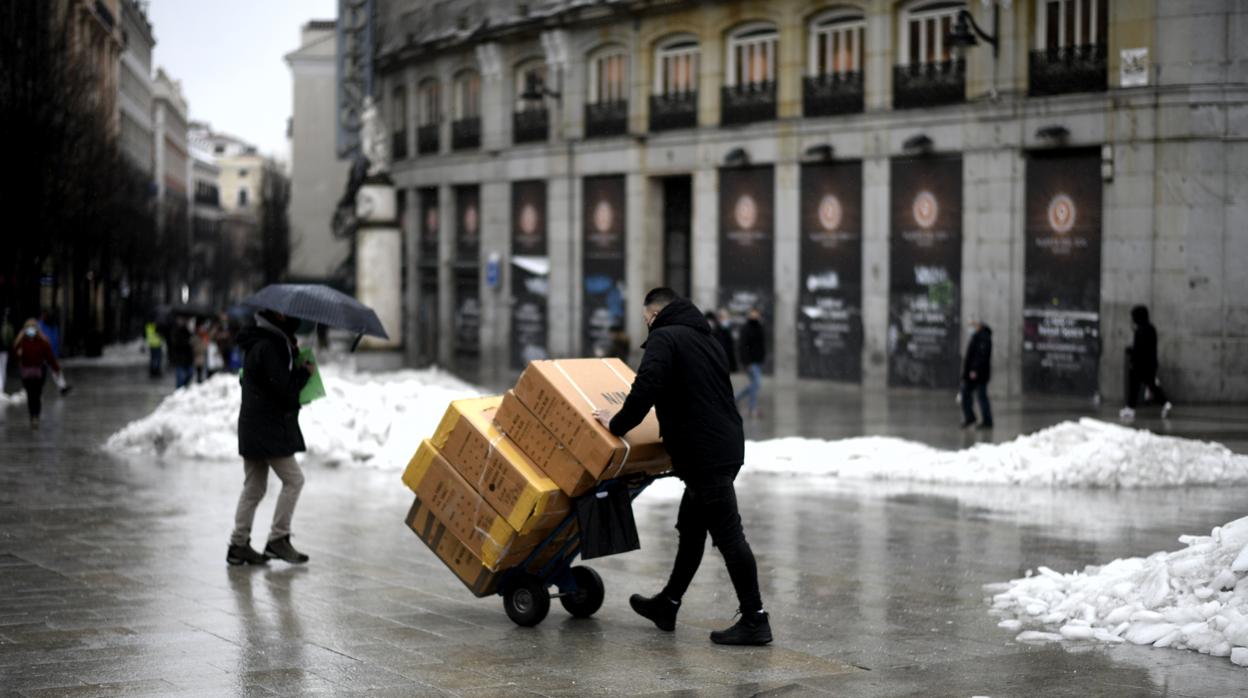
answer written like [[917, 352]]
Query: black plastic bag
[[607, 524]]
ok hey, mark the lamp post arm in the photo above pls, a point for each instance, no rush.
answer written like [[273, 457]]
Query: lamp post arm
[[991, 39]]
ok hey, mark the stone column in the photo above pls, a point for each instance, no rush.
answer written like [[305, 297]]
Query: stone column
[[378, 259], [563, 231], [495, 210], [705, 244], [875, 222], [787, 266], [449, 225]]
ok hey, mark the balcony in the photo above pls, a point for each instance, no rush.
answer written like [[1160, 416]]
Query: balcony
[[1056, 71], [929, 84], [829, 95], [398, 145], [530, 126], [466, 133], [673, 111], [427, 138], [606, 119], [745, 104]]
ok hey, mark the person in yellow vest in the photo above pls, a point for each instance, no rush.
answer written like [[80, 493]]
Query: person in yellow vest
[[155, 349]]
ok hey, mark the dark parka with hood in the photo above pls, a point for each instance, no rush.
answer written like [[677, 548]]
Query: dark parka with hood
[[979, 356], [1144, 344], [684, 376], [268, 421]]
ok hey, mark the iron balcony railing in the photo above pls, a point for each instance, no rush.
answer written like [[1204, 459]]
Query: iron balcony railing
[[466, 133], [427, 139], [1055, 71], [748, 103], [929, 84], [829, 95], [605, 119], [673, 111], [530, 125]]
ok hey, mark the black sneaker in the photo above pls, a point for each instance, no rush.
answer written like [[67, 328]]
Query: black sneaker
[[66, 389], [243, 554], [658, 608], [282, 549], [752, 629], [984, 426]]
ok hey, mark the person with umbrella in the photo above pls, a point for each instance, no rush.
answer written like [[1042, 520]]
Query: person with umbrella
[[268, 419]]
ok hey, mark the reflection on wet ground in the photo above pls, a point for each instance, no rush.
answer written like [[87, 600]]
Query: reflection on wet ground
[[112, 581]]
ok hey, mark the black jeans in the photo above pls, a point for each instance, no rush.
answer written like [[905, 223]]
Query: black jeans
[[980, 391], [34, 394], [1144, 379], [711, 508]]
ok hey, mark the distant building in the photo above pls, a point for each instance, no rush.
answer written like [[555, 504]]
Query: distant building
[[317, 175], [210, 257], [134, 87], [173, 181], [239, 172]]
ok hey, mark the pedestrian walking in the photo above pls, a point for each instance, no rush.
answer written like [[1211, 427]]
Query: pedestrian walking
[[722, 329], [753, 354], [976, 372], [155, 349], [1142, 366], [199, 350], [684, 377], [269, 434], [181, 353], [34, 355]]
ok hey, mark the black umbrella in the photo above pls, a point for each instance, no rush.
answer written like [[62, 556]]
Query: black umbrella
[[318, 303]]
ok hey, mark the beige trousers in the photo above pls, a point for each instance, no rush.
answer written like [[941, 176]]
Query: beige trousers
[[255, 483]]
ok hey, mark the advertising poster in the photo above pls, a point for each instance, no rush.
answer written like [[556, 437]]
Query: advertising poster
[[1062, 271], [428, 230], [467, 271], [530, 273], [747, 244], [925, 273], [603, 263], [829, 314]]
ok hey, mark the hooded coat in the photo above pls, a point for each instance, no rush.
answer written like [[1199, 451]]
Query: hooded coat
[[684, 376], [1144, 344], [268, 421], [979, 356]]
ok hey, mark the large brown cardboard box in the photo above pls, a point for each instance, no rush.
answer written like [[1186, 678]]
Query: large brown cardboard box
[[475, 575], [466, 514], [497, 468], [563, 395]]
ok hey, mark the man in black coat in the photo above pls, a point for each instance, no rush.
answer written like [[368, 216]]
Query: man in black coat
[[684, 376], [976, 372], [1142, 365], [269, 434]]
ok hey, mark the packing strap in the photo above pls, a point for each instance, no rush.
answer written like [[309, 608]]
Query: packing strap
[[628, 448]]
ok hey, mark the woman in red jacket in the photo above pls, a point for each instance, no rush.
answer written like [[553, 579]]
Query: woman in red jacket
[[33, 351]]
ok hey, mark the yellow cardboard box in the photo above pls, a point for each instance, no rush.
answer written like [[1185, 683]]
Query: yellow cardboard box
[[499, 470]]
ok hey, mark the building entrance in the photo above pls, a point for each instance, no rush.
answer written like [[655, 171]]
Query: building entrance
[[677, 233]]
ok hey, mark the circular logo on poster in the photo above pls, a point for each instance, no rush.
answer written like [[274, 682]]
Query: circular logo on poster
[[830, 212], [745, 212], [925, 209], [431, 221], [604, 216], [528, 219], [470, 220], [1062, 214]]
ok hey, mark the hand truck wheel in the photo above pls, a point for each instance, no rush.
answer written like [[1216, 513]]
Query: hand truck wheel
[[587, 598], [527, 601]]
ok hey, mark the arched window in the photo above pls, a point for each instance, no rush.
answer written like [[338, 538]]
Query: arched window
[[467, 95], [608, 76], [836, 42], [1064, 24], [676, 66], [752, 55], [428, 103], [530, 72], [924, 26]]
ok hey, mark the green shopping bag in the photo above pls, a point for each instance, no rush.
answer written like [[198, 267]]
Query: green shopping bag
[[314, 389]]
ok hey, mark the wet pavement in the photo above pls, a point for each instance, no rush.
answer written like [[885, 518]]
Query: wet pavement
[[112, 578]]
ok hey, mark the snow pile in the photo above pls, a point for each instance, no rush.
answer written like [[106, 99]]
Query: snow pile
[[132, 353], [1195, 598], [365, 418], [1087, 453]]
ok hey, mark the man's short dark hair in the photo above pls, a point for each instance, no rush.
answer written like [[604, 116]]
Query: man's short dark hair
[[660, 296]]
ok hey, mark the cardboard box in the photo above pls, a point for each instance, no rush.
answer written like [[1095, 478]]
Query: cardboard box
[[466, 514], [563, 394], [528, 432], [499, 470], [479, 579]]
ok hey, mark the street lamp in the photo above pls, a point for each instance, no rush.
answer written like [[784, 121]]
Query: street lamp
[[535, 89], [966, 33]]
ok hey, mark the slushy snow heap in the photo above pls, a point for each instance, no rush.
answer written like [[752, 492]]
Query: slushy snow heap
[[1195, 599]]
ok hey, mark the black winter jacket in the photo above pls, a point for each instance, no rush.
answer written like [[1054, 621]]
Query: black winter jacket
[[1144, 345], [268, 421], [979, 356], [753, 343], [684, 376]]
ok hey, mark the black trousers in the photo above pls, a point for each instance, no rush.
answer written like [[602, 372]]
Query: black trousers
[[711, 508], [1144, 379], [34, 395]]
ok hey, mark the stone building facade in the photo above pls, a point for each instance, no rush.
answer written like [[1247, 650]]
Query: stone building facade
[[843, 166]]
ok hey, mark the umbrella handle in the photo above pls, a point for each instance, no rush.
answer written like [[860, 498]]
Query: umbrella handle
[[356, 343]]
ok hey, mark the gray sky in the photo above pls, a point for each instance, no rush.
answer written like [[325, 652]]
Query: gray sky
[[228, 55]]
